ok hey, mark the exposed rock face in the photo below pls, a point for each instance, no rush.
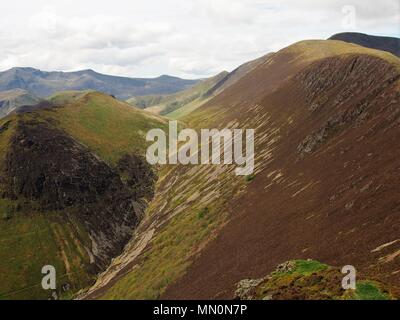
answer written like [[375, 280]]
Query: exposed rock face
[[350, 85], [46, 166], [137, 175], [245, 288]]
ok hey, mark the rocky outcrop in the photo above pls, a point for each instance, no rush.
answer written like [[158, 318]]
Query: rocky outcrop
[[346, 95], [309, 280]]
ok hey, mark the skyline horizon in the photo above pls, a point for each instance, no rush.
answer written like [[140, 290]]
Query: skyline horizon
[[189, 39], [174, 75]]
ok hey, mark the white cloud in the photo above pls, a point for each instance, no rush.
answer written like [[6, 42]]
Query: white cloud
[[189, 38]]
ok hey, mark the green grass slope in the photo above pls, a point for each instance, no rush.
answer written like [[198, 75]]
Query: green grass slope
[[109, 127]]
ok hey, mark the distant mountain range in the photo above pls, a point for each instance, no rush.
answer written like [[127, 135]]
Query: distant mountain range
[[43, 84], [179, 103], [166, 95], [388, 44]]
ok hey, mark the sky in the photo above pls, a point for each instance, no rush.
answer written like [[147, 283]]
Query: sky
[[185, 38]]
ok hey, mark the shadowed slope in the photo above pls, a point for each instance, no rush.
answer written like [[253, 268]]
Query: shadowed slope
[[388, 44]]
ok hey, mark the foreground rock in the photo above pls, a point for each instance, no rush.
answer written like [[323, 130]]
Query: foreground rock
[[308, 280]]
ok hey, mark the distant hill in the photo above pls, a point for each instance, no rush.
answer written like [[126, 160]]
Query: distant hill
[[181, 102], [388, 44], [13, 99], [44, 84]]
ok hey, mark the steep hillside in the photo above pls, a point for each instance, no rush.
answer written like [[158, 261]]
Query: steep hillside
[[13, 99], [180, 102], [388, 44], [44, 84], [73, 186], [327, 121]]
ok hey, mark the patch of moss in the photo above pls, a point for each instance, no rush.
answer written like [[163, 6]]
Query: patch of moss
[[370, 290], [306, 267]]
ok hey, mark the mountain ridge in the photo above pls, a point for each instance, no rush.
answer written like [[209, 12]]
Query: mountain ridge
[[389, 44], [46, 83]]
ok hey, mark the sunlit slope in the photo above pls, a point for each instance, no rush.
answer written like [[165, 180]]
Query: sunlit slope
[[73, 188], [173, 103], [181, 104], [326, 116], [66, 97], [279, 67], [109, 127]]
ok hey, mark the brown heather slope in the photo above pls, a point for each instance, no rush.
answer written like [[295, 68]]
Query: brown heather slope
[[329, 190], [237, 74], [326, 115]]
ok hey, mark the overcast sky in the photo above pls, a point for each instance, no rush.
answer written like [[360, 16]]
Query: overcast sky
[[186, 38]]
